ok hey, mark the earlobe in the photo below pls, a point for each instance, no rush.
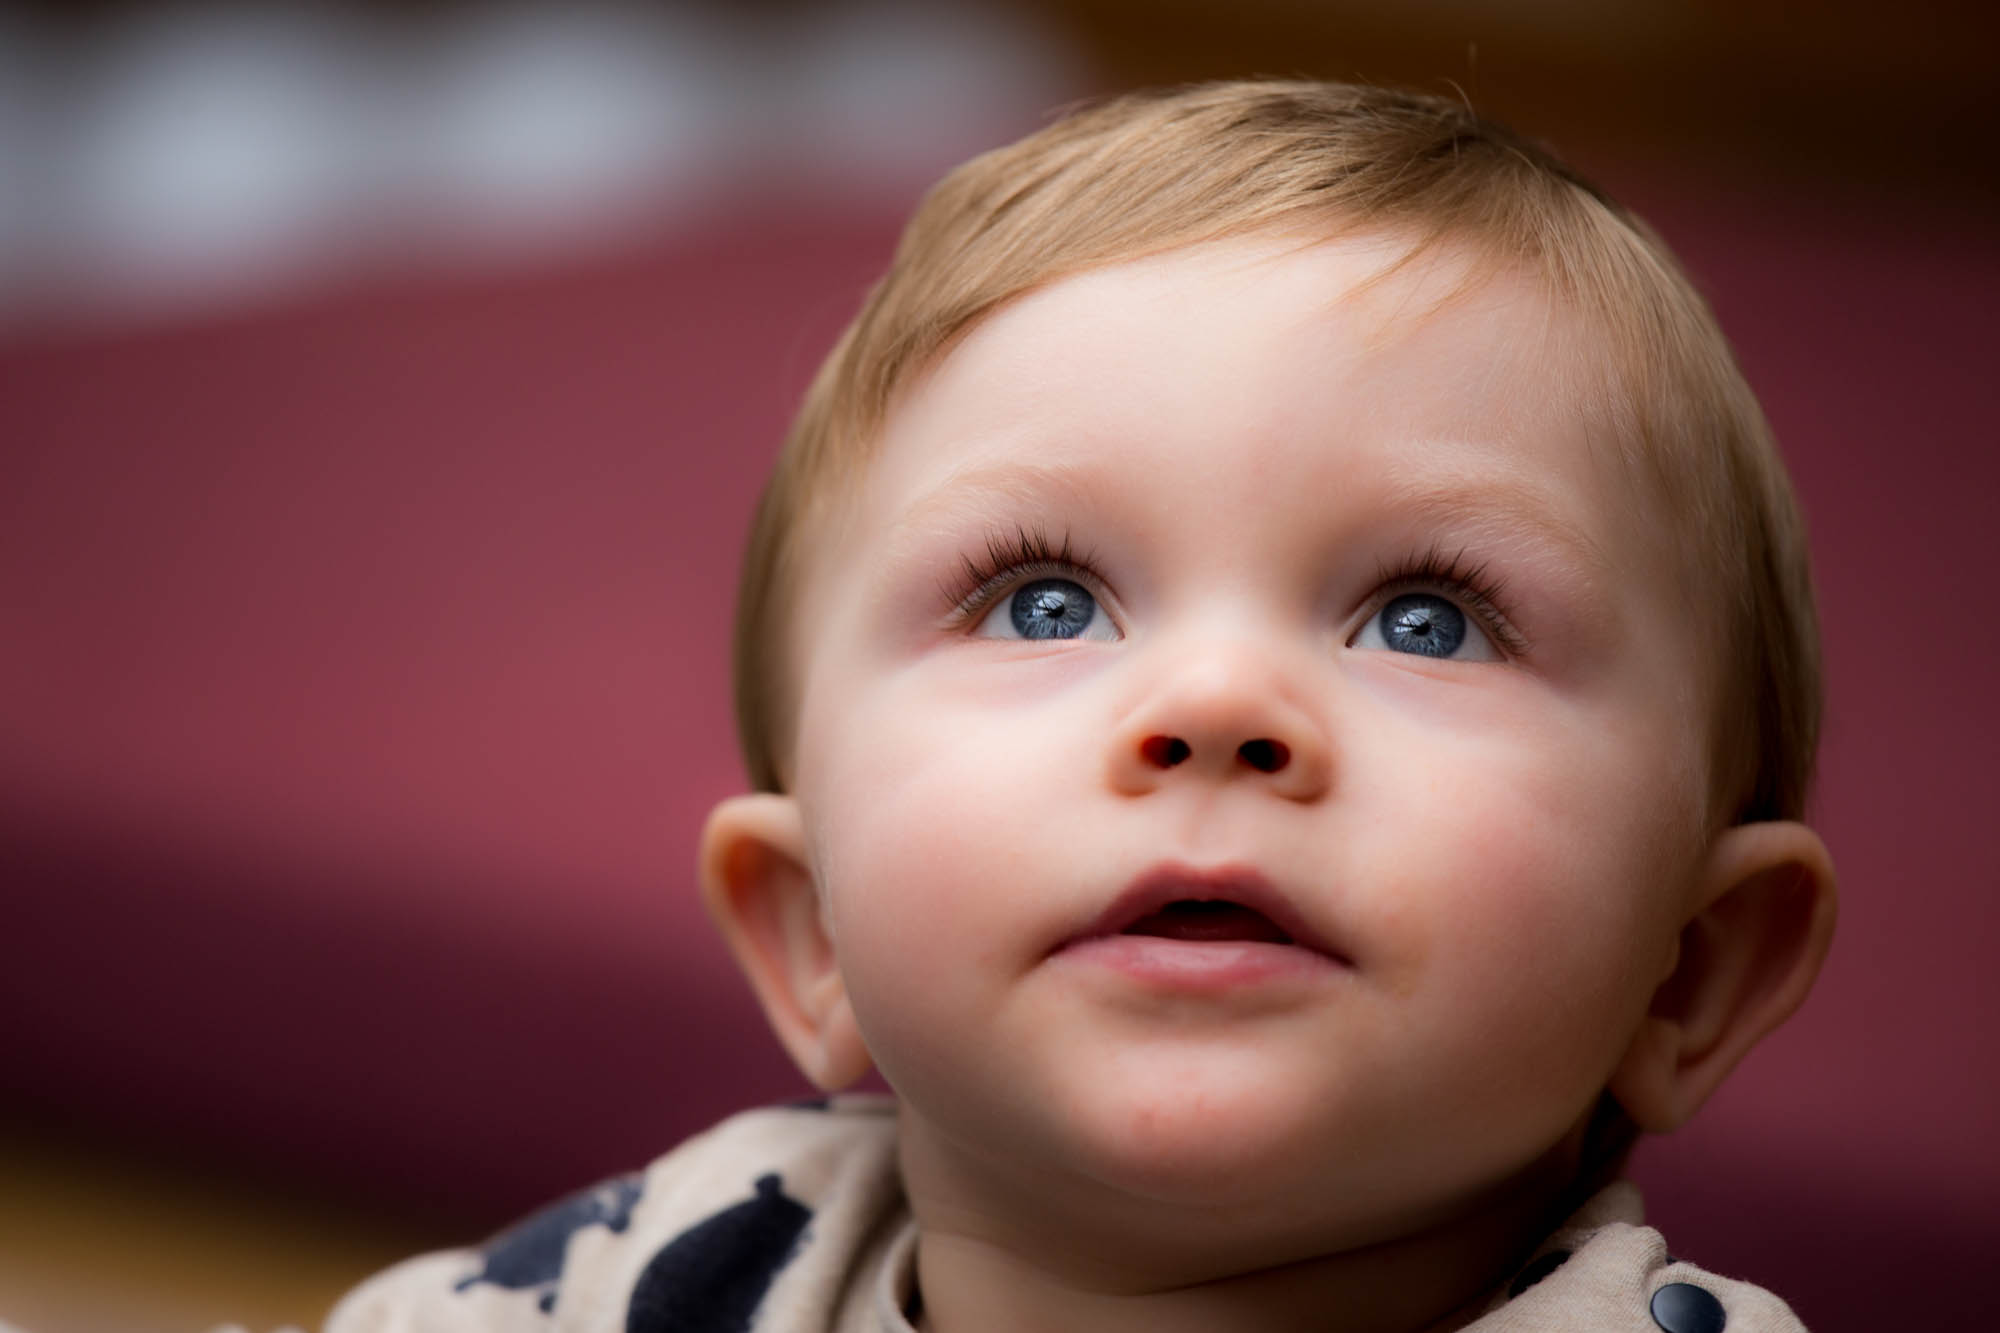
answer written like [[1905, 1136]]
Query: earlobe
[[757, 882], [1746, 959]]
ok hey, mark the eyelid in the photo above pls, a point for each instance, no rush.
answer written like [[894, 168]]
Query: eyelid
[[971, 609], [1025, 554], [1012, 559], [1469, 586]]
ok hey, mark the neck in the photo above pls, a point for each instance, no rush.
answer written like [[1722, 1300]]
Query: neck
[[1026, 1256]]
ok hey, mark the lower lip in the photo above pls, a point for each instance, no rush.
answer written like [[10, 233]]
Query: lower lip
[[1200, 965]]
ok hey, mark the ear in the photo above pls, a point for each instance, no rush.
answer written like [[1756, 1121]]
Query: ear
[[1764, 921], [757, 882]]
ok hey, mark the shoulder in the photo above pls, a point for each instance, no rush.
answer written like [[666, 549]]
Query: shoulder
[[698, 1239], [1605, 1271]]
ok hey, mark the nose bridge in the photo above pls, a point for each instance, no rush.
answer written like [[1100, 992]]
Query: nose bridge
[[1224, 700]]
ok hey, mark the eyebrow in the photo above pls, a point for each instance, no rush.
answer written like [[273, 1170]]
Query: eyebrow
[[1499, 503], [975, 490], [1480, 498]]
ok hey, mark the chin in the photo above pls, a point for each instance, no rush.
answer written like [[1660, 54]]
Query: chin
[[1200, 1147]]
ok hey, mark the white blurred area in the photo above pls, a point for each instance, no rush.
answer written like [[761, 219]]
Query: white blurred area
[[173, 158]]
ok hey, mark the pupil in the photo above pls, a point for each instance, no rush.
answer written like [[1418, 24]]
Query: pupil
[[1051, 609], [1423, 624]]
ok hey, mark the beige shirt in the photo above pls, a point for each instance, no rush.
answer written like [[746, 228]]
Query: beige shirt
[[792, 1220]]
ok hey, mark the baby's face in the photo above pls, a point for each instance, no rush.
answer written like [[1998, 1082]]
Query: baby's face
[[1249, 746]]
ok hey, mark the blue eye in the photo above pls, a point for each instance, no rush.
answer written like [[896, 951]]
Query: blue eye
[[1051, 609], [1424, 624], [1048, 609]]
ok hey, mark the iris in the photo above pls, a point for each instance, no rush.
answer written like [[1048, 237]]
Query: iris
[[1051, 609], [1424, 624]]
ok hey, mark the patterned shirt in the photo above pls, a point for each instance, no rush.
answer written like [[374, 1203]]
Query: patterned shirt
[[793, 1220]]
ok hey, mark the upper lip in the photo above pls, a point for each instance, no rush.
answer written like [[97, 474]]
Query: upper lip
[[1244, 885]]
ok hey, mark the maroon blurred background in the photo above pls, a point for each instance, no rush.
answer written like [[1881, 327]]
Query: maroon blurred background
[[363, 644]]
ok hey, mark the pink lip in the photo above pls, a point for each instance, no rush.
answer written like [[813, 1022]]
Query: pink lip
[[1186, 964]]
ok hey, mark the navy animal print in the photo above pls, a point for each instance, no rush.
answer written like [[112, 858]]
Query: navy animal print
[[529, 1256], [712, 1277]]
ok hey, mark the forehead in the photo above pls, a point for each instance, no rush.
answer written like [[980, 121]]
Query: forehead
[[1269, 361]]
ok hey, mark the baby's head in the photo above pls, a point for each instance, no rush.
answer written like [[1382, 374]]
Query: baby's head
[[1279, 665]]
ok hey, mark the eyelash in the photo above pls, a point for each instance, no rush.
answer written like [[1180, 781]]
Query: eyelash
[[1012, 559], [1027, 553], [1434, 569]]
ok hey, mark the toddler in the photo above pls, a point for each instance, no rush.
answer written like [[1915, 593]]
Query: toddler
[[1279, 670]]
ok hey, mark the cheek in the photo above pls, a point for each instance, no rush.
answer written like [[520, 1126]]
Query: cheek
[[1537, 891], [915, 769], [899, 776], [928, 843]]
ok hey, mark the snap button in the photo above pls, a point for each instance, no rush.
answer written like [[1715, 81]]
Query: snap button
[[1682, 1307]]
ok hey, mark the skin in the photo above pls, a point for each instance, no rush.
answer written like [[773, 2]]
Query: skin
[[1498, 853]]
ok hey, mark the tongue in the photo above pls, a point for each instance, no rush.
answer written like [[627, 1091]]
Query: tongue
[[1205, 922]]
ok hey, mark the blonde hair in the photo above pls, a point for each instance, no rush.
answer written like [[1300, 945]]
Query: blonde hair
[[1149, 172]]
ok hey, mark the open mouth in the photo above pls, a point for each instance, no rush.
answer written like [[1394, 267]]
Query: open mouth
[[1214, 931], [1220, 905], [1208, 920]]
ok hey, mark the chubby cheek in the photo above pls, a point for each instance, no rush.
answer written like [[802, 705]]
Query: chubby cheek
[[1536, 893], [929, 852]]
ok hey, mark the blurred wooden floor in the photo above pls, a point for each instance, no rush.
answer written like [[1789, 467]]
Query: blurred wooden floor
[[92, 1242]]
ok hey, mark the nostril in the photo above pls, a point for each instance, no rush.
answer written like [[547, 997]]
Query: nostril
[[1164, 751], [1266, 756]]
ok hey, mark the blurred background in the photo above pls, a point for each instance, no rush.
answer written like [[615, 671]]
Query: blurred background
[[384, 390]]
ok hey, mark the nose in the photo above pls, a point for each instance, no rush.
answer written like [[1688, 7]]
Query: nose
[[1222, 714]]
